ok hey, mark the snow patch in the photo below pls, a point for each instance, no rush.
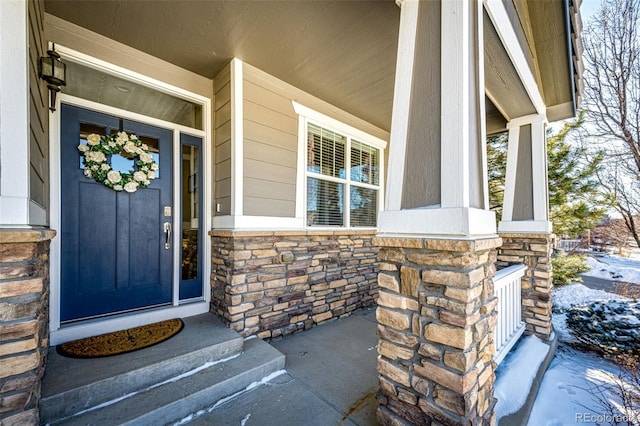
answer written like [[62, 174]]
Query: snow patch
[[612, 267], [578, 294], [515, 375], [245, 420]]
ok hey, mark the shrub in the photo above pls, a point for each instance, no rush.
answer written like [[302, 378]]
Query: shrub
[[566, 268]]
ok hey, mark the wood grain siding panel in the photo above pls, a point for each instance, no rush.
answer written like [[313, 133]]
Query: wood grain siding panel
[[271, 141], [223, 115], [38, 111], [503, 84], [283, 89], [222, 141], [269, 98], [277, 190], [523, 199], [422, 163], [269, 136], [270, 151], [270, 154], [260, 114], [264, 171], [268, 206]]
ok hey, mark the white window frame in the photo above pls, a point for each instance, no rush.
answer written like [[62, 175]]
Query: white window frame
[[309, 116]]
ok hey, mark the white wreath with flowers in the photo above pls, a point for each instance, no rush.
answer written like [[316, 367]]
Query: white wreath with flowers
[[96, 161]]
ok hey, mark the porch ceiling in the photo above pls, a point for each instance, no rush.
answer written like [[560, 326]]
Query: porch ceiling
[[341, 51]]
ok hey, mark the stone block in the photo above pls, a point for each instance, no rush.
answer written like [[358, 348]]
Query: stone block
[[393, 319], [13, 366], [430, 351], [450, 305], [18, 330], [397, 337], [393, 372], [463, 294], [414, 243], [455, 278], [407, 397], [461, 383], [394, 300], [409, 281], [18, 346], [21, 287], [322, 317], [19, 383], [18, 252], [233, 310], [394, 352], [389, 282], [391, 255], [456, 337], [461, 361], [441, 417], [28, 417]]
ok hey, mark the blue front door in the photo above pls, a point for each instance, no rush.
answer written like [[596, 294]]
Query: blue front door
[[116, 254]]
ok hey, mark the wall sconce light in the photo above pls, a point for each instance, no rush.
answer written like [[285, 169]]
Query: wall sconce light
[[54, 72]]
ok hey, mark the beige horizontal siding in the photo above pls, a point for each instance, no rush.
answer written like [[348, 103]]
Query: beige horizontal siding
[[222, 142], [268, 206], [38, 112], [271, 141]]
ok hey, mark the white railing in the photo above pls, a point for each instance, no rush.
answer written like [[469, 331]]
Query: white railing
[[510, 325]]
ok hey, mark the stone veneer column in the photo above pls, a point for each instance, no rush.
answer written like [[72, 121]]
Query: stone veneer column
[[534, 251], [24, 322], [436, 314]]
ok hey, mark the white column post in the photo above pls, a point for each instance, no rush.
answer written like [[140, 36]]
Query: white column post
[[463, 208], [401, 102], [527, 144], [14, 114]]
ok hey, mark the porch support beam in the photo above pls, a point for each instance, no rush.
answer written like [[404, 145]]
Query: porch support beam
[[14, 109], [437, 181], [526, 205], [500, 18]]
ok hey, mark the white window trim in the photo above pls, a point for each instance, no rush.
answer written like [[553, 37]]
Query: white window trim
[[309, 116]]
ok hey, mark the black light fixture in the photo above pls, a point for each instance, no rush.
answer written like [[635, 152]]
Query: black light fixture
[[54, 72]]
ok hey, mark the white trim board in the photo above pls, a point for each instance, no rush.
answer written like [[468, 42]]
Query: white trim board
[[401, 102], [14, 110], [460, 221]]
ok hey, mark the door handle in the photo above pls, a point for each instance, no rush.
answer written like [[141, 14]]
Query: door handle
[[167, 234]]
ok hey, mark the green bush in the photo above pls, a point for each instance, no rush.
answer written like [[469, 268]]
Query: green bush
[[566, 268]]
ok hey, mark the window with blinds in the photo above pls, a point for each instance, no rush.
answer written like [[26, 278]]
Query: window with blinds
[[343, 179]]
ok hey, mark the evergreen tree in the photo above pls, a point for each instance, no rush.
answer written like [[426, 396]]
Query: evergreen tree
[[575, 201]]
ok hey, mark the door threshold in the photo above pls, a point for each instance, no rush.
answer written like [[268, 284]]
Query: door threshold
[[97, 326]]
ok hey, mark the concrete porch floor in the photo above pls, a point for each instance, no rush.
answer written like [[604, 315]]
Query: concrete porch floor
[[331, 379]]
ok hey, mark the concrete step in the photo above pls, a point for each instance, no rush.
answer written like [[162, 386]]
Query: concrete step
[[181, 397], [72, 385]]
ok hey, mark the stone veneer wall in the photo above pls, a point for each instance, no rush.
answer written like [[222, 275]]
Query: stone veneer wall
[[436, 314], [273, 283], [24, 322], [533, 250]]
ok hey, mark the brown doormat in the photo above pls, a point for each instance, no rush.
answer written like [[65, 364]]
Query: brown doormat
[[121, 342]]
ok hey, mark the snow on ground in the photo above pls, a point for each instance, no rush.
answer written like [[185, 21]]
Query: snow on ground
[[516, 374], [567, 395], [612, 267]]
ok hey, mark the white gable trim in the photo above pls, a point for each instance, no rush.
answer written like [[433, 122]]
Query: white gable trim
[[500, 18]]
